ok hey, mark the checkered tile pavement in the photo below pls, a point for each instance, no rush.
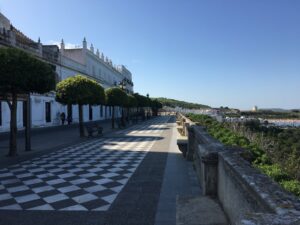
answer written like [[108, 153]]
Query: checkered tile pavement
[[84, 177], [154, 126]]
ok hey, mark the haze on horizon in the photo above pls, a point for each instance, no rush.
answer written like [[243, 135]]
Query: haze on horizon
[[219, 53]]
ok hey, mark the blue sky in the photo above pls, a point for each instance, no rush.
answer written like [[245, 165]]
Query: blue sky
[[235, 53]]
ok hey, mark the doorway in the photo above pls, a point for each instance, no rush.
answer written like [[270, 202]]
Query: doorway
[[48, 112]]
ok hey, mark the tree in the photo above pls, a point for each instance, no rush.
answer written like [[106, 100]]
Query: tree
[[21, 74], [80, 90], [131, 103], [142, 102], [115, 97], [155, 105]]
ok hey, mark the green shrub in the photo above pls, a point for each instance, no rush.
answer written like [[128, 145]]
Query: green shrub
[[291, 186], [275, 151], [274, 171]]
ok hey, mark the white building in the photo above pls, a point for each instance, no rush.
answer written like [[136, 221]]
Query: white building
[[255, 109], [67, 62]]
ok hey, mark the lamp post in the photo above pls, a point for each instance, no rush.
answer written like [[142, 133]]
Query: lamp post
[[122, 85], [148, 106]]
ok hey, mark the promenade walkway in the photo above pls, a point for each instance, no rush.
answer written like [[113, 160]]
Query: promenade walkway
[[130, 176], [47, 138]]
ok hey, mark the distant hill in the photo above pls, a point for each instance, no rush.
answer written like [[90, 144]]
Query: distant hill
[[176, 103], [279, 110], [275, 110]]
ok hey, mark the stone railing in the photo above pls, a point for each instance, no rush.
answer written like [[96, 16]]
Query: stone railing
[[183, 124], [247, 196]]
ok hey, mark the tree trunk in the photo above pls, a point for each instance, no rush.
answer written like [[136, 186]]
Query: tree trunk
[[113, 118], [123, 117], [128, 114], [13, 127], [137, 114], [81, 129]]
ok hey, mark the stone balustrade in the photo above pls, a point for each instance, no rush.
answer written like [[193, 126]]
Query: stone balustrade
[[247, 196]]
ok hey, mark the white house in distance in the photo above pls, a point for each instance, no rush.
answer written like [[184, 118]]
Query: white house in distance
[[67, 62]]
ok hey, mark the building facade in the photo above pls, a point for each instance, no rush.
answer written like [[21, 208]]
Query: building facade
[[66, 62]]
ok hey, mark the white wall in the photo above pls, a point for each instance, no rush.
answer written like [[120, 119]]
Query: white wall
[[38, 110], [6, 116]]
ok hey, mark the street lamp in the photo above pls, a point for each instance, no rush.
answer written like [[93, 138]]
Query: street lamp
[[122, 84], [148, 106]]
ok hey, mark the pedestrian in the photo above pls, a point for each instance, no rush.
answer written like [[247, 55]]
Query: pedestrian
[[63, 118]]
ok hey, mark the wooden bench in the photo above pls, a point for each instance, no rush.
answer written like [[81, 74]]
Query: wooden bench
[[93, 130]]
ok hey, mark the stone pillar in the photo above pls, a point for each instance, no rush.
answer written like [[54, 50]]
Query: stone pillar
[[186, 126], [208, 169], [191, 142], [182, 121]]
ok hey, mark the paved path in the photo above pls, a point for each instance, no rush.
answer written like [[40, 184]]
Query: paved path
[[116, 179], [47, 138]]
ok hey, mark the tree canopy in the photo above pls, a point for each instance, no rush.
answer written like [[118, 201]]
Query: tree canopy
[[80, 90], [131, 101], [142, 101], [21, 73], [115, 96], [156, 104]]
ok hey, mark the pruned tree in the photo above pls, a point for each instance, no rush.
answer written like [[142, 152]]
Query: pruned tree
[[21, 74], [115, 97], [142, 102], [80, 90], [131, 103], [155, 106]]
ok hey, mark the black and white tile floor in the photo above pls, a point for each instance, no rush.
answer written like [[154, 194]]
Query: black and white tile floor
[[153, 127], [84, 177]]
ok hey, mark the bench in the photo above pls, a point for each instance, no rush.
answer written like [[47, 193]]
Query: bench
[[93, 130]]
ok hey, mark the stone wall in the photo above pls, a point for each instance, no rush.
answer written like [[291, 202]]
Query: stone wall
[[247, 196]]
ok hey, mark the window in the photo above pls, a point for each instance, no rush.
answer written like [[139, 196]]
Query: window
[[48, 112], [0, 113], [90, 112], [101, 110]]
